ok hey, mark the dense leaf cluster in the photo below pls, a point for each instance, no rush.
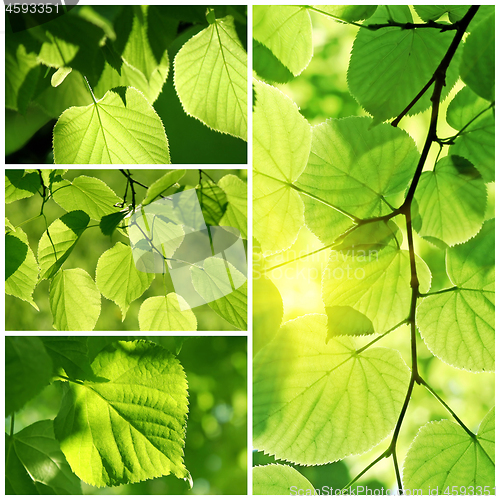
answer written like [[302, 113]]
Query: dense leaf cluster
[[75, 295], [359, 185], [99, 70]]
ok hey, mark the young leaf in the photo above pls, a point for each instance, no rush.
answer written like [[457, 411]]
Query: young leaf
[[281, 144], [57, 243], [285, 30], [35, 464], [277, 479], [21, 268], [451, 201], [478, 59], [28, 369], [89, 194], [305, 408], [390, 66], [477, 141], [118, 278], [122, 127], [162, 184], [443, 455], [170, 313], [458, 326], [19, 185], [211, 78], [128, 424], [74, 300], [236, 211]]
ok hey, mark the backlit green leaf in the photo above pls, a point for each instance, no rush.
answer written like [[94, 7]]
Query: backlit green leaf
[[57, 243], [282, 140], [458, 326], [128, 424], [354, 169], [277, 479], [170, 313], [368, 280], [477, 68], [28, 369], [21, 268], [162, 184], [348, 13], [89, 194], [477, 141], [19, 185], [69, 355], [443, 455], [390, 66], [434, 12], [224, 288], [118, 278], [211, 78], [74, 300], [311, 400], [122, 127], [35, 464], [236, 210], [213, 202], [285, 30], [451, 201]]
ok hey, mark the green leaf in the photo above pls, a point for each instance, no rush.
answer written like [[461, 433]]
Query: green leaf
[[213, 202], [458, 326], [129, 424], [89, 194], [389, 67], [170, 313], [277, 479], [162, 184], [52, 175], [110, 222], [224, 288], [477, 68], [28, 369], [69, 355], [74, 300], [73, 42], [21, 268], [348, 13], [443, 455], [211, 78], [57, 243], [35, 464], [369, 281], [122, 127], [59, 76], [281, 144], [434, 12], [236, 210], [286, 30], [22, 71], [9, 226], [19, 185], [305, 408], [352, 170], [118, 278], [451, 201], [477, 141], [268, 67], [146, 42]]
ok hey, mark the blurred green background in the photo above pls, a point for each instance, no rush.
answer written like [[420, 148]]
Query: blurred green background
[[190, 141], [19, 315], [321, 92], [216, 438]]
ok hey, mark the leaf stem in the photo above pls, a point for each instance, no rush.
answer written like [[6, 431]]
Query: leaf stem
[[90, 89], [366, 469], [421, 381], [12, 425]]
